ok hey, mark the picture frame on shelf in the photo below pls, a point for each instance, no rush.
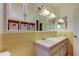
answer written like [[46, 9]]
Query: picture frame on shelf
[[13, 25], [23, 25], [31, 26]]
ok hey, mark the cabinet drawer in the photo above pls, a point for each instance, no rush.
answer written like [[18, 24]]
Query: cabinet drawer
[[63, 51]]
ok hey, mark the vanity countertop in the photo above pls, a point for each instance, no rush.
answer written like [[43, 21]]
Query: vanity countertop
[[50, 41]]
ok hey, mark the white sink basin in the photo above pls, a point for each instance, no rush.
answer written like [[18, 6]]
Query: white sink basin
[[47, 42], [50, 41]]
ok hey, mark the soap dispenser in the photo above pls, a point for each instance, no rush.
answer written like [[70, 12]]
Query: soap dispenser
[[40, 26]]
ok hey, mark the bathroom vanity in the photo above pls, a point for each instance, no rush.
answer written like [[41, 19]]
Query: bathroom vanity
[[55, 46]]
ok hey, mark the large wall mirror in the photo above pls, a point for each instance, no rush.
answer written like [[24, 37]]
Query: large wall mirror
[[41, 16], [52, 25]]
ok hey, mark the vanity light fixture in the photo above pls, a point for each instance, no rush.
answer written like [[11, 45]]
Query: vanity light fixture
[[45, 12], [61, 21], [52, 15]]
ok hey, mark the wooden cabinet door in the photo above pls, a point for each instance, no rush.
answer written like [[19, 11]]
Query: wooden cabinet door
[[57, 54]]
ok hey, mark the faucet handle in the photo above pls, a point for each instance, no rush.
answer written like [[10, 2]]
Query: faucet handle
[[43, 38], [75, 36]]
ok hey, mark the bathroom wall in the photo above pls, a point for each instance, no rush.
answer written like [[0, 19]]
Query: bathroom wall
[[2, 27], [76, 32], [22, 43], [1, 45], [1, 18], [68, 11]]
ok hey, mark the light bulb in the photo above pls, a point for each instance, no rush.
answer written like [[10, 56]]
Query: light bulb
[[61, 20], [45, 12], [52, 15]]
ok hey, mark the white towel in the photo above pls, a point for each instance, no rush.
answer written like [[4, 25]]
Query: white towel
[[5, 53]]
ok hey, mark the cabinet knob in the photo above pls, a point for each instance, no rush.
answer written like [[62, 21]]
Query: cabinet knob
[[75, 36]]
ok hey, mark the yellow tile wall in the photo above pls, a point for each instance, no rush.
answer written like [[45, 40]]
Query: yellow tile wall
[[22, 44], [1, 37]]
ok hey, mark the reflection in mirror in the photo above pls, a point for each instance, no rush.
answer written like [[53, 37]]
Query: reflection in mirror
[[45, 16], [62, 23], [52, 24], [16, 11]]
